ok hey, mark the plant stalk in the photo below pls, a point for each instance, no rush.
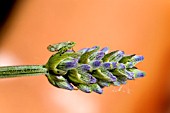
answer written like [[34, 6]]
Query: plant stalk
[[22, 70]]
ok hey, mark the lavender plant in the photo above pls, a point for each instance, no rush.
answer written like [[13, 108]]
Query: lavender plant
[[89, 69]]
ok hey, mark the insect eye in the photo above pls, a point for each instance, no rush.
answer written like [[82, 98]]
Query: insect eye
[[71, 43]]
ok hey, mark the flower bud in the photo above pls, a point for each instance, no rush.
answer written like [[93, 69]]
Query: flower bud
[[130, 75], [120, 66], [99, 55], [68, 64], [87, 78], [105, 50], [93, 48], [82, 51], [132, 58], [127, 58], [96, 64], [117, 83], [129, 64], [103, 83], [84, 67], [64, 85], [107, 65], [114, 56], [81, 77], [117, 56], [108, 56], [137, 58], [120, 82], [103, 74], [121, 75], [85, 88], [84, 58], [60, 82], [96, 88], [114, 65], [137, 73]]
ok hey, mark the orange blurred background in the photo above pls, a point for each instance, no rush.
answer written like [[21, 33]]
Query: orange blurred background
[[135, 26]]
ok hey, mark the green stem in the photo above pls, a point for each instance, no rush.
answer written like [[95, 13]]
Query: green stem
[[22, 70]]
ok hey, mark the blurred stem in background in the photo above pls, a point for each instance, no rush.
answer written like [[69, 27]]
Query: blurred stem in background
[[6, 7]]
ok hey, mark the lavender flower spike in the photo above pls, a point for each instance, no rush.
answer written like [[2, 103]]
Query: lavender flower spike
[[89, 69]]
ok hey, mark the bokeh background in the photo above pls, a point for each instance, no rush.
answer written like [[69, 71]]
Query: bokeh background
[[136, 26]]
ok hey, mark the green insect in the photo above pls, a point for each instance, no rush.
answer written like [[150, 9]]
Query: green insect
[[61, 47], [61, 55]]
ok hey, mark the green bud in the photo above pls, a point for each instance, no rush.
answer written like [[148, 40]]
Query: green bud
[[96, 88], [84, 58], [137, 73], [103, 83], [60, 82], [85, 88], [103, 74], [80, 77]]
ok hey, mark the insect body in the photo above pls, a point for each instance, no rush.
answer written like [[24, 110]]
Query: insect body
[[61, 47]]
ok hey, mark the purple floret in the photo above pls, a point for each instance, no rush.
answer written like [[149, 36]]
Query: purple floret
[[71, 64], [112, 77], [130, 75], [114, 65], [107, 65], [93, 79], [121, 66], [121, 52], [100, 55], [105, 50], [140, 74], [96, 63], [129, 65], [91, 49], [138, 58], [85, 67]]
